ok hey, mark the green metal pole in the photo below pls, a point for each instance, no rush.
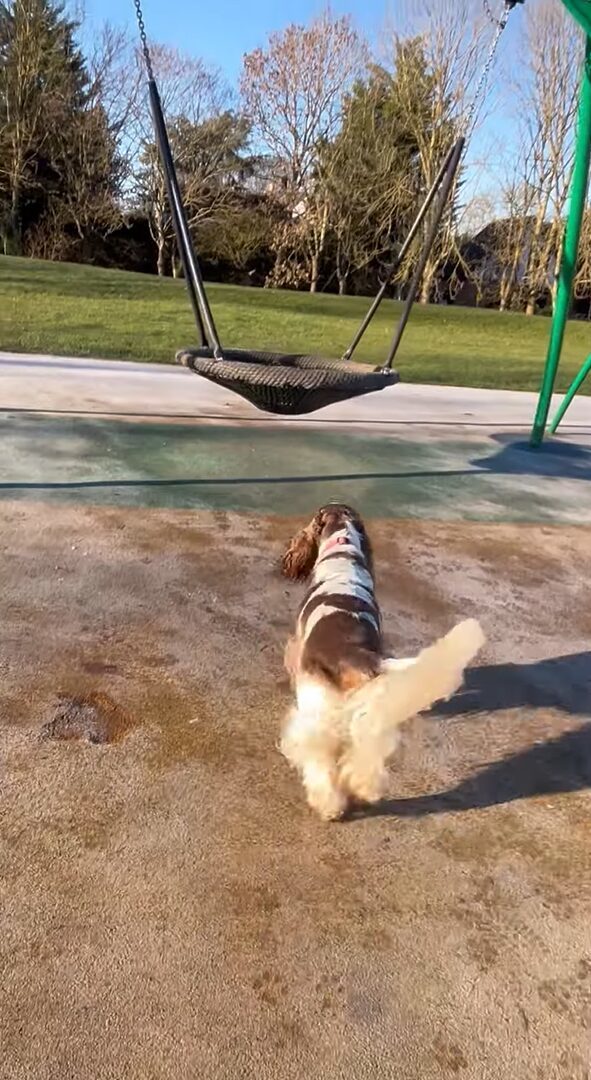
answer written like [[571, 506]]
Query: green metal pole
[[578, 195], [574, 386]]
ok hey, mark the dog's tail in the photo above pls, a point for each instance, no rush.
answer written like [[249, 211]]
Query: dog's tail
[[375, 712]]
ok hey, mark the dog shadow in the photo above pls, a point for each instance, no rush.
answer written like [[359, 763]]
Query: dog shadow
[[559, 765]]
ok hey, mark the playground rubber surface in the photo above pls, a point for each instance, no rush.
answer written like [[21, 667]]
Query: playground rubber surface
[[115, 462], [169, 907]]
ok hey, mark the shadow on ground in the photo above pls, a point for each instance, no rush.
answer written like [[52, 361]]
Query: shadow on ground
[[562, 764], [562, 682], [567, 461], [179, 465], [555, 767]]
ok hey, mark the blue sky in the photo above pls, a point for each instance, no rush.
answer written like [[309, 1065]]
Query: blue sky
[[221, 31]]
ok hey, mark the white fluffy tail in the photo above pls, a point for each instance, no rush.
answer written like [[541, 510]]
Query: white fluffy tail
[[375, 712]]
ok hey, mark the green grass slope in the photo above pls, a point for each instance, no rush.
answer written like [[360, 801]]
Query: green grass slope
[[83, 311]]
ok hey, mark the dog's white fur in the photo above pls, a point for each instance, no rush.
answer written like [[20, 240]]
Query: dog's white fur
[[341, 739], [341, 744]]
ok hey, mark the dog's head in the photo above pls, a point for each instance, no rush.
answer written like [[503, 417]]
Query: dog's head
[[302, 552]]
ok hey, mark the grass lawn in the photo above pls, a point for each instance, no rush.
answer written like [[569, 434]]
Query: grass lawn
[[83, 311]]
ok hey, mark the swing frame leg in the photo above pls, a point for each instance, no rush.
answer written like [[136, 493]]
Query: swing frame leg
[[204, 320], [574, 386], [570, 248]]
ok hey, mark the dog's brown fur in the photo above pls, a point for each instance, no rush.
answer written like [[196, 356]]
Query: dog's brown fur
[[351, 699]]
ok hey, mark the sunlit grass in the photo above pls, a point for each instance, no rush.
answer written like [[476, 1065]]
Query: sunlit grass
[[72, 310]]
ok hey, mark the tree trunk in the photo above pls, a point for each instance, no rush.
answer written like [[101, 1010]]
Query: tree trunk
[[425, 290], [13, 240], [533, 263], [342, 274], [510, 273], [503, 291], [161, 261], [278, 264], [553, 254], [314, 274], [426, 286], [319, 238]]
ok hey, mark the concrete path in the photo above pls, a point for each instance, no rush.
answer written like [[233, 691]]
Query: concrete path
[[152, 390]]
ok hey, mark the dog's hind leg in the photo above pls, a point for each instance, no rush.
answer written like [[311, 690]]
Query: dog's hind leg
[[363, 773], [311, 743]]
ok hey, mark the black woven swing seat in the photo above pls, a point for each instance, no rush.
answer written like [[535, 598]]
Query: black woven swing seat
[[288, 384]]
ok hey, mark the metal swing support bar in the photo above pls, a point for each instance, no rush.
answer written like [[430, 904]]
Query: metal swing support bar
[[444, 194], [193, 279]]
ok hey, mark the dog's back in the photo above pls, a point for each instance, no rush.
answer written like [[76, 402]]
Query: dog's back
[[339, 625], [342, 646]]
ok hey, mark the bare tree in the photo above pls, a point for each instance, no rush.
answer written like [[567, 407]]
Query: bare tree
[[116, 83], [436, 62], [475, 263], [547, 93], [191, 96], [292, 91], [582, 282], [512, 236], [477, 213]]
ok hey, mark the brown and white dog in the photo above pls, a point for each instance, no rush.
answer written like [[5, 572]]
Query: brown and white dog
[[350, 698]]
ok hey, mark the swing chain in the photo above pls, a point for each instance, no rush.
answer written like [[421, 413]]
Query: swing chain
[[500, 26], [509, 5], [144, 39], [489, 13]]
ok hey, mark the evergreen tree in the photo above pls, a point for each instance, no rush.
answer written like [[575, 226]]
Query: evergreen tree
[[55, 149], [369, 171]]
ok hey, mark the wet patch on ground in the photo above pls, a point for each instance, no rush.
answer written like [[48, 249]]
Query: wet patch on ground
[[96, 718]]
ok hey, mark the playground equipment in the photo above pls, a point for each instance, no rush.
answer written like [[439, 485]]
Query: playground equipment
[[286, 383], [581, 11]]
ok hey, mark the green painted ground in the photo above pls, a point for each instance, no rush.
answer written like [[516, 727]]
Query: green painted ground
[[290, 470], [83, 311]]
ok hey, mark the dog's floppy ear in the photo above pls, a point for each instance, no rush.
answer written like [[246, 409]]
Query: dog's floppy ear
[[302, 552]]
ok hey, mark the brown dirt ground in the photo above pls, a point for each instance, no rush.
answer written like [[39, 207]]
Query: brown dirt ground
[[170, 908]]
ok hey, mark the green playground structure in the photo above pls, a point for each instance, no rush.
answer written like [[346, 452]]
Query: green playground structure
[[581, 11]]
